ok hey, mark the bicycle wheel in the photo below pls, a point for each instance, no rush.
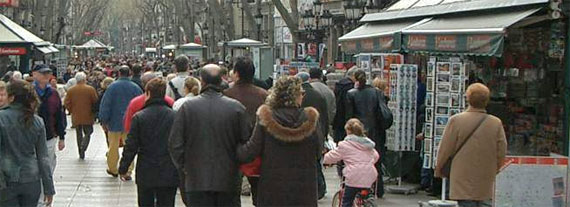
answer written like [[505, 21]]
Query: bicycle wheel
[[336, 199], [368, 203]]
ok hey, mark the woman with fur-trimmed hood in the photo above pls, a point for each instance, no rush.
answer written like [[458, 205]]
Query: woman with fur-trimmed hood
[[286, 139]]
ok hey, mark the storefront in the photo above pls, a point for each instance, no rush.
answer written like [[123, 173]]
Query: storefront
[[194, 51], [516, 48], [19, 48]]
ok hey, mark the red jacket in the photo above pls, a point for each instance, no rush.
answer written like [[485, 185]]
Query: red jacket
[[136, 105]]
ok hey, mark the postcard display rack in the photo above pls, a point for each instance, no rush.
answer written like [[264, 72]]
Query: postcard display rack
[[446, 82], [403, 93], [401, 136]]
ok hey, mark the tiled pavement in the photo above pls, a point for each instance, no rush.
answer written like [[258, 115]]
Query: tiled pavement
[[84, 183]]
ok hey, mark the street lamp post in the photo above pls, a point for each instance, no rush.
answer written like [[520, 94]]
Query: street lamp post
[[258, 21]]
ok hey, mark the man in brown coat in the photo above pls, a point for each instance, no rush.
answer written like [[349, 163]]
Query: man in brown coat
[[476, 164], [80, 101], [252, 97]]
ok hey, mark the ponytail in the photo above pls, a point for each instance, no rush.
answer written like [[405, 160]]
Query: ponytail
[[360, 77]]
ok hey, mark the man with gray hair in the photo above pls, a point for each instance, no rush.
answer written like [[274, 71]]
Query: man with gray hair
[[79, 101], [175, 87], [203, 143]]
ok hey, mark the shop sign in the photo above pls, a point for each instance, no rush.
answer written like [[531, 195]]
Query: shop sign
[[479, 43], [367, 44], [349, 46], [10, 3], [12, 51], [417, 42], [446, 42], [386, 43]]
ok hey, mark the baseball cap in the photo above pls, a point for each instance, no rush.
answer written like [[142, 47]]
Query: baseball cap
[[304, 76], [42, 68]]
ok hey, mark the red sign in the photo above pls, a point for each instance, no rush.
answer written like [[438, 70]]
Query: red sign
[[445, 42], [479, 43], [367, 44], [417, 42], [386, 43], [10, 3], [12, 51]]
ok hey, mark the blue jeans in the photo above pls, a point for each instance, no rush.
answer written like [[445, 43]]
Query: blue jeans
[[466, 203], [349, 195], [21, 194]]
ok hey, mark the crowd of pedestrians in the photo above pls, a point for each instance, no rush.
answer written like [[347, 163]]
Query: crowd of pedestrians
[[201, 128]]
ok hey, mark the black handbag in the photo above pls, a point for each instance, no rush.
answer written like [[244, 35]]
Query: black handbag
[[446, 168], [386, 119]]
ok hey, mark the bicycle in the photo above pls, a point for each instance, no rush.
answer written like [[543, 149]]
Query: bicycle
[[364, 198]]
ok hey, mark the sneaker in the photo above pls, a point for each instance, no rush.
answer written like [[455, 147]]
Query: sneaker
[[113, 174], [128, 178]]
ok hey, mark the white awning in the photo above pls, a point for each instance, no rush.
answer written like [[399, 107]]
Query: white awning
[[191, 45], [45, 50], [489, 22], [377, 29], [169, 47], [244, 42]]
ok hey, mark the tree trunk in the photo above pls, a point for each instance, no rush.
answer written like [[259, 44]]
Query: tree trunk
[[249, 16], [290, 20]]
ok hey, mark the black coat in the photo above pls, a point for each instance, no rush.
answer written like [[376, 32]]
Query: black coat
[[148, 138], [363, 104], [288, 143], [314, 99], [341, 89], [204, 139]]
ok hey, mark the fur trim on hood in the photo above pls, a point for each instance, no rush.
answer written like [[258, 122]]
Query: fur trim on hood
[[287, 134], [365, 142]]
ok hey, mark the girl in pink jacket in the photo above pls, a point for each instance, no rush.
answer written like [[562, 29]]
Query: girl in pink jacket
[[358, 153]]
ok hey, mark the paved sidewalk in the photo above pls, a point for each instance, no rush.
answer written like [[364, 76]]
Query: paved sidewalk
[[84, 183]]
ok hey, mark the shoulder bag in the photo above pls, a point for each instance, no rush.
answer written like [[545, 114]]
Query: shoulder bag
[[386, 119], [446, 168]]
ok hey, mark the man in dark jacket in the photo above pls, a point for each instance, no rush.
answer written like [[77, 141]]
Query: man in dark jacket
[[314, 99], [252, 97], [136, 78], [156, 176], [341, 89], [51, 111], [203, 143]]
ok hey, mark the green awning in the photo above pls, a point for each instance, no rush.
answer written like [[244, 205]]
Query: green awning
[[375, 37], [471, 34]]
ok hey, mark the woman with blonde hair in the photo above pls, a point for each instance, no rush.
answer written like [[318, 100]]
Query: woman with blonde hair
[[286, 138], [381, 85], [191, 88]]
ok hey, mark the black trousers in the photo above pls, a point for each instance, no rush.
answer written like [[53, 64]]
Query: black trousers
[[20, 195], [210, 198], [349, 195], [253, 183], [156, 196], [380, 181], [321, 182], [83, 138]]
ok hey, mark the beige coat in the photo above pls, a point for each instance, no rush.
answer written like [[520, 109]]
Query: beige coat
[[474, 168]]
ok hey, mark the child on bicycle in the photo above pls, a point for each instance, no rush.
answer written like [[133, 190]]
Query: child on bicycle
[[358, 153]]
